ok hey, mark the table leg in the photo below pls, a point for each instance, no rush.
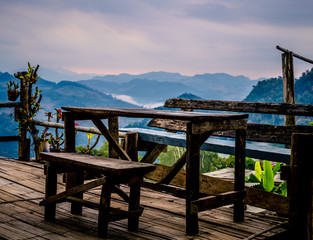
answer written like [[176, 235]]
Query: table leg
[[240, 157], [51, 189], [192, 179], [104, 210]]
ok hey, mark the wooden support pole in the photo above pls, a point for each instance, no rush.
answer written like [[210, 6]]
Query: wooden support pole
[[300, 210], [69, 130], [131, 145], [24, 143], [288, 84]]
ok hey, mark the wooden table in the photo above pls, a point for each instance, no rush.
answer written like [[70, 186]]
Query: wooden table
[[198, 127]]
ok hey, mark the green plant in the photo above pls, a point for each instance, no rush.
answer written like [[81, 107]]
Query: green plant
[[249, 163], [12, 85], [265, 178], [26, 116], [88, 148], [30, 76]]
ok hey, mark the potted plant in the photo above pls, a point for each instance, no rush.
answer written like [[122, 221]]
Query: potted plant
[[13, 92]]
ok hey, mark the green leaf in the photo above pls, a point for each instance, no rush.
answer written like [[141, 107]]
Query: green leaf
[[258, 171], [268, 178], [276, 168], [90, 135]]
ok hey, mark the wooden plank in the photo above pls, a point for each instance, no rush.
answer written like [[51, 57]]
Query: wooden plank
[[211, 202], [77, 189], [9, 138], [255, 132], [113, 131], [111, 139], [239, 106], [9, 104], [153, 152]]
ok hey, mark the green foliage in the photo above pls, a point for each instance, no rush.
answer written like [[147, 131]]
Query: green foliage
[[89, 148], [12, 85], [265, 178], [209, 161], [249, 163]]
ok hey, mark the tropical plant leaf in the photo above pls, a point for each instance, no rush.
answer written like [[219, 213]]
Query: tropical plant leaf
[[258, 171], [268, 178], [276, 168]]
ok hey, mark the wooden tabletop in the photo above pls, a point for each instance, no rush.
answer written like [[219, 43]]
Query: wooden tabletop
[[151, 113]]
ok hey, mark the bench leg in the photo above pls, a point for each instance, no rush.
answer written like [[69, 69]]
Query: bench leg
[[134, 204], [74, 179], [104, 210], [240, 158], [51, 189]]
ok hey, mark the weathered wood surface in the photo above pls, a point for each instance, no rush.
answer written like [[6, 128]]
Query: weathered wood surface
[[255, 132], [148, 113], [237, 106], [9, 138], [22, 183], [107, 166], [300, 211], [288, 84], [257, 151], [9, 104], [214, 186]]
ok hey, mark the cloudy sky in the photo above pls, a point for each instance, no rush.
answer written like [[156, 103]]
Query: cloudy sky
[[238, 37]]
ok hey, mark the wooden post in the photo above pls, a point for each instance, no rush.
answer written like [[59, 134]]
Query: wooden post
[[134, 204], [288, 84], [24, 143], [113, 128], [300, 209], [69, 130], [131, 145], [240, 157], [104, 210], [193, 145]]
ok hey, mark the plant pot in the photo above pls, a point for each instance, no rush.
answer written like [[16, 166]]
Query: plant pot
[[13, 95]]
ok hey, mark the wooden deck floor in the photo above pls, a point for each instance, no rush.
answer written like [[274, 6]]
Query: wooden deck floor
[[22, 187]]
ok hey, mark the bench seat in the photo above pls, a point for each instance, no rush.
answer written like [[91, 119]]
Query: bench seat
[[113, 171]]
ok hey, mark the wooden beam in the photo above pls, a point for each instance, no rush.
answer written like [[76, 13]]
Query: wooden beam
[[239, 106], [211, 202], [9, 104], [111, 139], [77, 189], [10, 138], [153, 153]]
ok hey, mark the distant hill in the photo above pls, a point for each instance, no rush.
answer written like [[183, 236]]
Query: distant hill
[[271, 91], [158, 86]]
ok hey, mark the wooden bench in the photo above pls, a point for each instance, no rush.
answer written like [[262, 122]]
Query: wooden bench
[[114, 172]]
